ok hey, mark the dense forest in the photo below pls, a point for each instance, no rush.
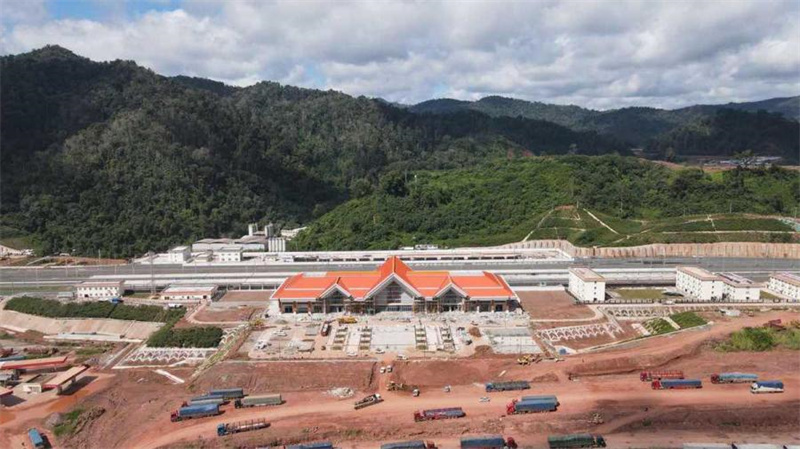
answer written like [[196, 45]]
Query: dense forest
[[113, 158], [503, 201]]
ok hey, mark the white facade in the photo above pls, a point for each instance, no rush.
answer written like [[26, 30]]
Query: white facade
[[289, 234], [276, 245], [179, 254], [737, 288], [586, 285], [99, 290], [786, 285], [189, 292], [698, 283], [228, 254]]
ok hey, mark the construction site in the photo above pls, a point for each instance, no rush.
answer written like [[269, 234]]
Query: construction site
[[100, 372]]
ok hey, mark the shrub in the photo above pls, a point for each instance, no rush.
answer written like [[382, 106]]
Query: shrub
[[748, 339], [95, 309], [687, 319]]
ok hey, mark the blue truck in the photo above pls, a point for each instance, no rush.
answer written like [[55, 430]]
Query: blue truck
[[415, 444], [733, 378], [227, 393], [200, 400], [488, 442], [766, 386], [517, 407], [508, 386], [194, 411], [676, 384], [317, 445], [37, 441], [541, 397]]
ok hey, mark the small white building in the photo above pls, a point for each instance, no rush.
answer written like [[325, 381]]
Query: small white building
[[289, 234], [586, 285], [786, 285], [231, 253], [179, 254], [736, 288], [190, 292], [277, 245], [99, 289], [698, 283]]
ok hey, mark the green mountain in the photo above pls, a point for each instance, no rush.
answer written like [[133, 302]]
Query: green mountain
[[113, 157], [637, 125], [505, 201]]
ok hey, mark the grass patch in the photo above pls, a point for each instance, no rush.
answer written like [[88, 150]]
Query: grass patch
[[640, 293], [687, 319], [5, 336], [69, 424], [748, 339], [89, 351], [658, 326]]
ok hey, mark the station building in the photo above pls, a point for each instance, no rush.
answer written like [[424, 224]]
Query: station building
[[99, 289], [395, 287], [586, 285], [190, 292], [703, 285], [786, 285]]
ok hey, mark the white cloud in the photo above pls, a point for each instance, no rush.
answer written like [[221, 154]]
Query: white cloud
[[591, 53]]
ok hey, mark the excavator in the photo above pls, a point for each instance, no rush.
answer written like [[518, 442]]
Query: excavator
[[528, 359]]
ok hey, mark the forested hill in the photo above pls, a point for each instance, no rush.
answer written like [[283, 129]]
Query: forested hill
[[641, 126], [113, 157], [505, 201]]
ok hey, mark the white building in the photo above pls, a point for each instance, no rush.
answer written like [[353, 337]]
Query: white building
[[99, 290], [231, 253], [786, 285], [277, 245], [179, 254], [587, 285], [701, 284], [289, 234], [190, 292], [736, 288]]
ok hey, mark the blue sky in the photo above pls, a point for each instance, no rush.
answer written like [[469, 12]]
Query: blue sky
[[591, 53]]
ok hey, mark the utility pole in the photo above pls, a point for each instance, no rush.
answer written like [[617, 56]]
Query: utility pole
[[152, 276]]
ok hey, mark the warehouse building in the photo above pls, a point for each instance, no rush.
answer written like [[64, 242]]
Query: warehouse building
[[701, 284], [190, 292], [395, 287], [786, 285], [586, 285], [99, 290], [231, 253]]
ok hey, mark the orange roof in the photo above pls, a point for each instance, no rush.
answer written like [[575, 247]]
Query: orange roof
[[360, 284]]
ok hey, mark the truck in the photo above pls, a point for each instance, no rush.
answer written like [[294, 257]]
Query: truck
[[676, 384], [369, 400], [541, 397], [766, 386], [517, 407], [733, 378], [37, 441], [200, 400], [241, 426], [508, 386], [317, 445], [647, 376], [194, 411], [325, 330], [488, 442], [575, 440], [439, 413], [227, 393], [415, 444], [263, 400]]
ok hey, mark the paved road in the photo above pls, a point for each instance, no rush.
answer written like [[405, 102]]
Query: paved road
[[757, 269]]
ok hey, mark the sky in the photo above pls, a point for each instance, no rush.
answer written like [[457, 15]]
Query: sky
[[597, 54]]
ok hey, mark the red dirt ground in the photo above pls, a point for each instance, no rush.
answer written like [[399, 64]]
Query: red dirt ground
[[247, 295], [552, 305], [233, 314]]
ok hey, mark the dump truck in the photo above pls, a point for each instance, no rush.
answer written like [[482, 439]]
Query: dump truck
[[488, 442], [676, 384], [200, 400], [541, 397], [415, 444], [241, 426], [647, 376], [369, 400], [194, 411], [517, 407], [575, 440], [348, 320], [227, 393], [317, 445], [37, 441], [508, 386], [766, 386], [439, 413], [733, 378], [263, 400]]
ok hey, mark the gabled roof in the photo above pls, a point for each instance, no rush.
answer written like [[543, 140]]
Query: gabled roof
[[363, 284]]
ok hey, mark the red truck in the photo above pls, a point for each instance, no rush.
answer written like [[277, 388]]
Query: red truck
[[439, 413], [648, 376]]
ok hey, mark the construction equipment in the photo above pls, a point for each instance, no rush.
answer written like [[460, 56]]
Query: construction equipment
[[348, 320], [394, 386], [527, 359], [369, 400]]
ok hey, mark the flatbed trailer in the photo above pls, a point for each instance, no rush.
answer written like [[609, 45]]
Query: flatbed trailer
[[241, 426], [439, 413]]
